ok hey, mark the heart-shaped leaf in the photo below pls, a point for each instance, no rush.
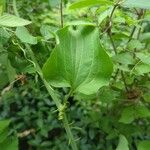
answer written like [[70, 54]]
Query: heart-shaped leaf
[[78, 61]]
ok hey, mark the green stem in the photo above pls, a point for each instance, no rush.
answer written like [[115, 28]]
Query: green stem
[[55, 99], [39, 71], [61, 14], [50, 90], [69, 133], [15, 8]]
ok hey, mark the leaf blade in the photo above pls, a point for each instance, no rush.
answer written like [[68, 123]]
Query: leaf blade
[[78, 61], [143, 4], [12, 21], [87, 3], [123, 143]]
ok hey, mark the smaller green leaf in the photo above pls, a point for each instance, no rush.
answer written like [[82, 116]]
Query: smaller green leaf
[[12, 21], [134, 44], [11, 72], [144, 145], [107, 95], [4, 124], [23, 34], [124, 58], [11, 143], [47, 32], [4, 36], [123, 143], [143, 4], [131, 113], [104, 14], [145, 58], [3, 135], [141, 69], [142, 111], [127, 115], [80, 22], [145, 37], [4, 60], [146, 97], [87, 3]]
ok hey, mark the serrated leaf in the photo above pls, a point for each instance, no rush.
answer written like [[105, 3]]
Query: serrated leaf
[[87, 3], [143, 4], [144, 145], [123, 143], [78, 61], [12, 21], [54, 3], [23, 34]]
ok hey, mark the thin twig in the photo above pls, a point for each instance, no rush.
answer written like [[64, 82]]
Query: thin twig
[[61, 14], [122, 73], [124, 81], [109, 23], [113, 44], [140, 15]]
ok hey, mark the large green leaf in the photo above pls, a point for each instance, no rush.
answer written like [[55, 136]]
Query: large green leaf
[[123, 143], [144, 4], [78, 61], [12, 21], [87, 3]]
